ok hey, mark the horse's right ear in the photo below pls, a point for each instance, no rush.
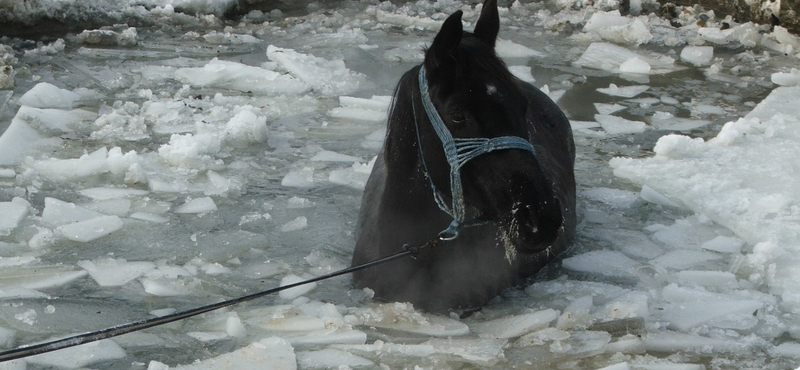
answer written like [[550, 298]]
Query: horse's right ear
[[488, 25], [446, 42]]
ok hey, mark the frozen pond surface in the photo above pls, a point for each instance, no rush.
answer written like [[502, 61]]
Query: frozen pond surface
[[153, 169]]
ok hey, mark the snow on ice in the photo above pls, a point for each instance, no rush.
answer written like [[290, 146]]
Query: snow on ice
[[192, 159]]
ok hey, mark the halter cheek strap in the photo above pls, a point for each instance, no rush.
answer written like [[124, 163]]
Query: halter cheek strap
[[458, 152]]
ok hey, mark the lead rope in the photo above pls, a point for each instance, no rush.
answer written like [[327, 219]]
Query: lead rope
[[76, 340]]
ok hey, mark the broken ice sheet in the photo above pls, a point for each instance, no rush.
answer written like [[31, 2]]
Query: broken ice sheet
[[240, 77], [624, 91], [115, 272], [610, 57], [80, 356], [619, 126]]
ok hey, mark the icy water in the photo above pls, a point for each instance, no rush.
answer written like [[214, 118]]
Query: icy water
[[233, 186]]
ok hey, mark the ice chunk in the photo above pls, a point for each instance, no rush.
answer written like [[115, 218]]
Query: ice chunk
[[603, 263], [666, 121], [100, 161], [515, 326], [609, 57], [635, 65], [197, 205], [670, 341], [292, 293], [274, 351], [246, 127], [236, 76], [482, 352], [576, 313], [7, 338], [509, 49], [47, 95], [329, 336], [683, 259], [165, 288], [617, 198], [299, 223], [707, 278], [786, 78], [109, 37], [697, 55], [373, 110], [329, 77], [649, 194], [625, 91], [80, 356], [686, 315], [330, 358], [611, 26], [300, 178], [13, 213], [619, 126], [115, 272], [355, 176], [607, 109], [403, 317], [106, 193], [58, 212], [724, 244], [286, 319], [17, 139], [329, 156], [523, 73], [37, 277], [91, 229], [57, 120]]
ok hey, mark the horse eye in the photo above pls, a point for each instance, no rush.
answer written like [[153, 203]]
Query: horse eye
[[457, 116]]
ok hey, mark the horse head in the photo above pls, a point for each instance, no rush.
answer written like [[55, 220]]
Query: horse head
[[476, 97]]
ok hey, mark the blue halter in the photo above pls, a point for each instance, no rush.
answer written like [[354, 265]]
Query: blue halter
[[458, 152]]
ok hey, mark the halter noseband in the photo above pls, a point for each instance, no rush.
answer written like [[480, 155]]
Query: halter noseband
[[458, 152]]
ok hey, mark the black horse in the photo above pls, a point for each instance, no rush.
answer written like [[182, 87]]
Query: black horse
[[510, 206]]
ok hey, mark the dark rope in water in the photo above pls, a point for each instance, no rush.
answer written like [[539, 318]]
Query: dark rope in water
[[76, 340]]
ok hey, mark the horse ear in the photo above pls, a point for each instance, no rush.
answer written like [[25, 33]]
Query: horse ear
[[446, 41], [489, 23]]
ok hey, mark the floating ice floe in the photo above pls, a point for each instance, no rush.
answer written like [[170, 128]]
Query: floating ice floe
[[730, 179], [274, 351], [624, 91], [328, 77], [47, 95], [403, 317], [91, 229], [611, 26], [511, 50], [115, 272], [791, 78], [697, 55], [13, 213], [619, 126], [197, 205], [37, 277], [100, 161], [80, 356], [610, 57], [109, 37], [240, 77], [522, 72], [374, 109]]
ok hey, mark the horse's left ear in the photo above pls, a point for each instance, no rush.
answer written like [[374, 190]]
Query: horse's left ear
[[443, 48], [489, 23]]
